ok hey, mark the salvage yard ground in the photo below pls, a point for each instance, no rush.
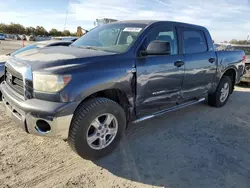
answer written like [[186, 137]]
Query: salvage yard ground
[[8, 46], [199, 146]]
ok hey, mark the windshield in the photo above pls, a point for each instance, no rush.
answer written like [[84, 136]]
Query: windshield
[[112, 37], [29, 47], [245, 49]]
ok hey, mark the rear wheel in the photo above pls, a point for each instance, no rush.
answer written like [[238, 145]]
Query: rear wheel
[[97, 126], [222, 93]]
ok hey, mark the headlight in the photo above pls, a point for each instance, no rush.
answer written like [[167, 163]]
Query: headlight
[[50, 83]]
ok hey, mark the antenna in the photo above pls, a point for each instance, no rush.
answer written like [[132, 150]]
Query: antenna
[[67, 12]]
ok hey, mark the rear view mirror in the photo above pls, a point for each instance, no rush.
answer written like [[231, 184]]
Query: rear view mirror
[[157, 47]]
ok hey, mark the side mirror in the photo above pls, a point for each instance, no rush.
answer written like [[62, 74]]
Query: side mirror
[[157, 47]]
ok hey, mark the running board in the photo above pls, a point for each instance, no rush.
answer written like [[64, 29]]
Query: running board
[[169, 110]]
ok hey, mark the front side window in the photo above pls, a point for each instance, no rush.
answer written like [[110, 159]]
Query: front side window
[[111, 37], [162, 33], [193, 41]]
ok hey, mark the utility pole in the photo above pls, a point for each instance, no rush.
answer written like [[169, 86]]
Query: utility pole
[[65, 23]]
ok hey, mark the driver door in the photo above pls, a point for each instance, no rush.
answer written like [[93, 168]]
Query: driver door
[[159, 80]]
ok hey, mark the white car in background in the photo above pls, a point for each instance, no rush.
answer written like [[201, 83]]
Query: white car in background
[[2, 37]]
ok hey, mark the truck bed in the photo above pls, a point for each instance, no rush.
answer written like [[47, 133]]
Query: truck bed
[[231, 59]]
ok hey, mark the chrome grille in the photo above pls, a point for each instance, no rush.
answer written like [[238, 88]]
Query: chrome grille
[[18, 76], [15, 80]]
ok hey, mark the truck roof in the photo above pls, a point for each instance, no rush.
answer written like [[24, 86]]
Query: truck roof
[[149, 22]]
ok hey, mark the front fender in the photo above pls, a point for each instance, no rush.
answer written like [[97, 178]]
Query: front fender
[[89, 82], [1, 70]]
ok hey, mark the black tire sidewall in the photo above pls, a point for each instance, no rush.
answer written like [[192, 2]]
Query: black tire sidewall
[[81, 145], [225, 79]]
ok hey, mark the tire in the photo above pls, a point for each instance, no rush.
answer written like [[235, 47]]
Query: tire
[[215, 98], [81, 126], [1, 80]]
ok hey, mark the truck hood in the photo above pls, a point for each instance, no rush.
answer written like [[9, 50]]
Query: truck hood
[[59, 56]]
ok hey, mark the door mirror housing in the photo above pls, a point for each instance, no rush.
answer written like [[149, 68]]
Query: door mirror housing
[[157, 47]]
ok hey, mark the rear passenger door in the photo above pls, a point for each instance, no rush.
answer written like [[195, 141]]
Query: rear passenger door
[[200, 63]]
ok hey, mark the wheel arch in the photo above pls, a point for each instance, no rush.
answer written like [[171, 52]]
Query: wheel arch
[[232, 73], [116, 95]]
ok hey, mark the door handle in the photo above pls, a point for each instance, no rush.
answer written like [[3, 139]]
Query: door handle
[[179, 63], [212, 59]]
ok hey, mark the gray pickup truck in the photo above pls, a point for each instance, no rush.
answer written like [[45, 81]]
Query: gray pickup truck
[[117, 73]]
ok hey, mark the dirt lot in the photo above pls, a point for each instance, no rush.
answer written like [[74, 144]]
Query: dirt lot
[[199, 146], [7, 46]]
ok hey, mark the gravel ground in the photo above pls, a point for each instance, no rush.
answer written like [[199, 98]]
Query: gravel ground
[[7, 46], [199, 146]]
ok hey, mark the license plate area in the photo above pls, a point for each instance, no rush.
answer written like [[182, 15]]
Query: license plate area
[[14, 113]]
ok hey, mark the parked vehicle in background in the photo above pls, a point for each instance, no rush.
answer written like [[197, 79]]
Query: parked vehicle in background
[[246, 49], [2, 37], [43, 44], [23, 37], [31, 38], [223, 46], [117, 73], [17, 37]]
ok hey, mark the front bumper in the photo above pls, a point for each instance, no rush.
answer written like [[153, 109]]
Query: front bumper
[[26, 113]]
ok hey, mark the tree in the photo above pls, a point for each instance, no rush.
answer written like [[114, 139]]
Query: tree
[[79, 31], [233, 41], [54, 32], [66, 33], [242, 42], [15, 28], [73, 34], [40, 30], [30, 31], [3, 28]]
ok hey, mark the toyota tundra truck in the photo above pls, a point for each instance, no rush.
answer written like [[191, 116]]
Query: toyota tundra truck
[[119, 73]]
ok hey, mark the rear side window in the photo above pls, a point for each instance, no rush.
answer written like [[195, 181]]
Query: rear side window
[[193, 41]]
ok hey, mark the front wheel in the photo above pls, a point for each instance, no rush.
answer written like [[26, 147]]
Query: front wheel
[[1, 80], [97, 126], [222, 93]]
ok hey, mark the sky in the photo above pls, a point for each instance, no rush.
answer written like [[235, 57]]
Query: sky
[[225, 19]]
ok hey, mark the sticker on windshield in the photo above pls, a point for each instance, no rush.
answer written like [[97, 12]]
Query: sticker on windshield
[[132, 29]]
